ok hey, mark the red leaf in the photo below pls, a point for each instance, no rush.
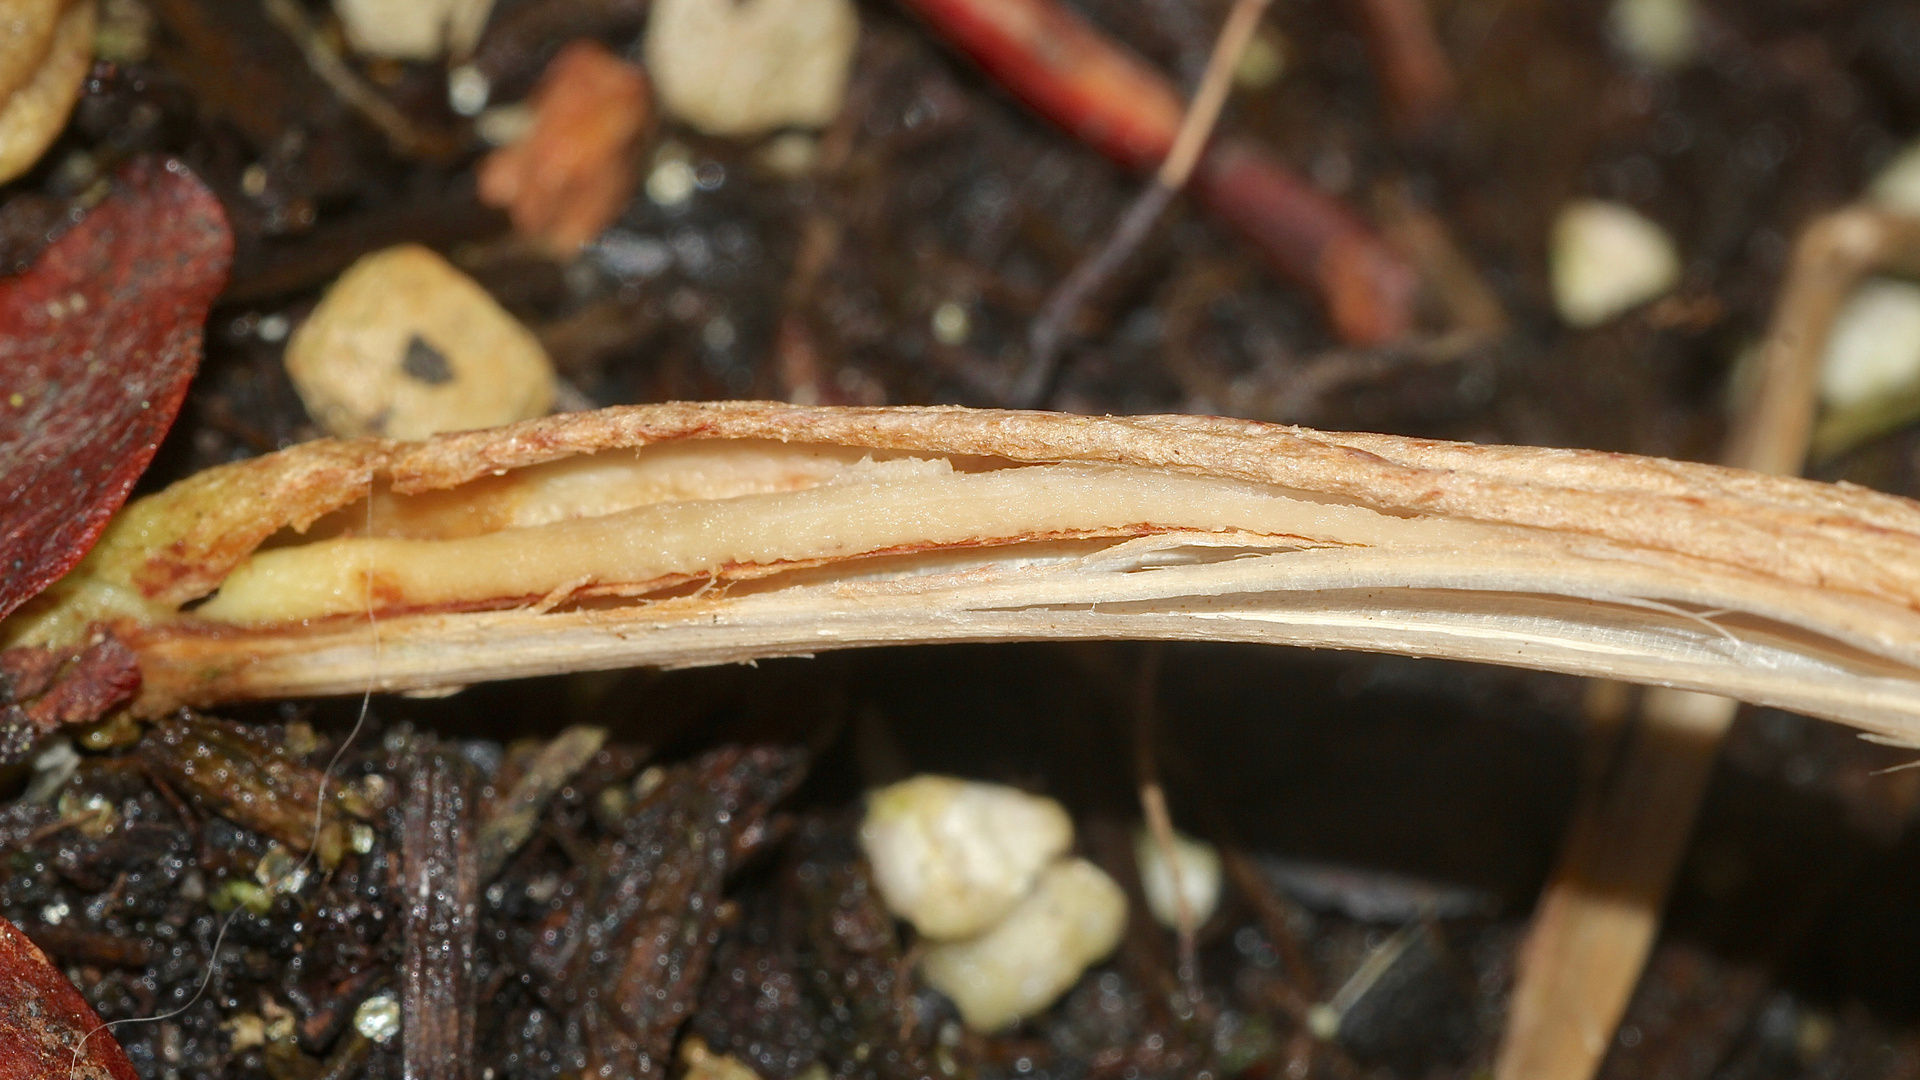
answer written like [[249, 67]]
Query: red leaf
[[43, 1018], [98, 341]]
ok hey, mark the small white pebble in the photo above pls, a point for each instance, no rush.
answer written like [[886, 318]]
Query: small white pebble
[[280, 870], [718, 334], [1072, 919], [405, 345], [1657, 33], [1897, 187], [1608, 259], [1323, 1022], [468, 90], [360, 838], [1263, 61], [1874, 348], [951, 324], [672, 182], [954, 856], [378, 1018], [244, 1032], [744, 67], [53, 766], [1199, 867], [410, 29]]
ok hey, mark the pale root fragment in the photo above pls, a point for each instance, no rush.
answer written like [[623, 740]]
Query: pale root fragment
[[34, 113], [405, 345], [954, 856], [746, 67], [1198, 877], [1071, 920]]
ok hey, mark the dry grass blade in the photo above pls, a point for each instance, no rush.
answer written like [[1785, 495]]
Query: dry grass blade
[[711, 533]]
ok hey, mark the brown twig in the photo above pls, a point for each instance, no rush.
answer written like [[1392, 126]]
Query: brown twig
[[439, 869], [402, 134], [1049, 329]]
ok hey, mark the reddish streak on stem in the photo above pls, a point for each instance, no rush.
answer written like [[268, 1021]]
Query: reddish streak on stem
[[1070, 73]]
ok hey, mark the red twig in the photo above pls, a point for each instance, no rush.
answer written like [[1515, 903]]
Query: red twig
[[1070, 73]]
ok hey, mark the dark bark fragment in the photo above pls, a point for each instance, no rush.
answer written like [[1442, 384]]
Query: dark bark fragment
[[510, 823], [248, 777], [858, 976], [630, 954], [441, 885]]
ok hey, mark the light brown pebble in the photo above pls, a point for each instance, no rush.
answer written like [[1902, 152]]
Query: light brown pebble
[[404, 345], [28, 33], [41, 84]]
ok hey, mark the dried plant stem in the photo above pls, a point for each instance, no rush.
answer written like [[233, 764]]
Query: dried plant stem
[[1600, 913], [1833, 255], [333, 69], [1050, 327]]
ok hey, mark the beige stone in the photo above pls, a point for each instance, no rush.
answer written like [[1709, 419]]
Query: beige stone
[[1071, 920], [1608, 259], [745, 67], [41, 77], [412, 29], [404, 345], [954, 856]]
